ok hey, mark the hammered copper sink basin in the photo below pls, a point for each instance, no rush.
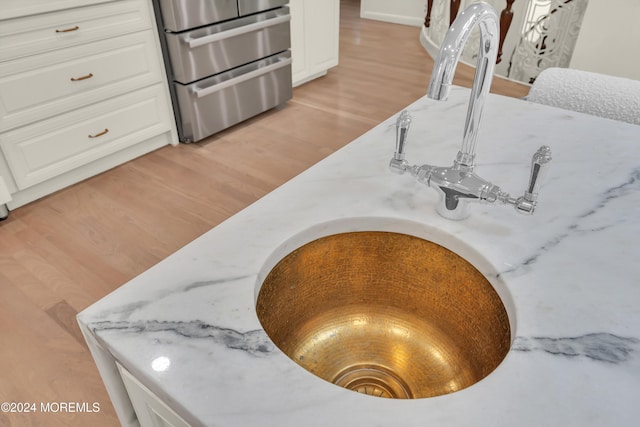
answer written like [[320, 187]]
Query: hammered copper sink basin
[[385, 314]]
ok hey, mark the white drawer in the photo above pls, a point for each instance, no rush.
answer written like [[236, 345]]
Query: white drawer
[[40, 86], [42, 33], [15, 8], [50, 147]]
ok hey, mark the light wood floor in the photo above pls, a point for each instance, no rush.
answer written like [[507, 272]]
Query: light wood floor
[[62, 253]]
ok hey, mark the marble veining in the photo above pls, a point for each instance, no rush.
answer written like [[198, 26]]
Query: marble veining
[[568, 276], [628, 187], [255, 343], [213, 282], [129, 309], [600, 347], [610, 195]]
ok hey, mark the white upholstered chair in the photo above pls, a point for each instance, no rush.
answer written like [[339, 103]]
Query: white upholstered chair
[[592, 93]]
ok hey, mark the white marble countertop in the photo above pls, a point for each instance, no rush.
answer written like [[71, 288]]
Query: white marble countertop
[[569, 275]]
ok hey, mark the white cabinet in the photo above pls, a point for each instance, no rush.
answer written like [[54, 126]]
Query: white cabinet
[[150, 410], [16, 8], [48, 148], [315, 30], [82, 89], [39, 86], [4, 198]]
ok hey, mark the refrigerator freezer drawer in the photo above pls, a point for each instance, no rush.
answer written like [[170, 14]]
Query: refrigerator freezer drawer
[[211, 50], [179, 15], [213, 104]]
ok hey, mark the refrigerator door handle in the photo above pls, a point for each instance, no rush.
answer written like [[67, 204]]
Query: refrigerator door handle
[[212, 38], [199, 93]]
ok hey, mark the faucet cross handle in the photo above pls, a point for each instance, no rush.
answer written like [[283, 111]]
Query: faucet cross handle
[[539, 164]]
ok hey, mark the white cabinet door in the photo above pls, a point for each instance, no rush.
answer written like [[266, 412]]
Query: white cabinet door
[[5, 196], [151, 411], [315, 31], [34, 34], [40, 86], [16, 8], [51, 147], [298, 52]]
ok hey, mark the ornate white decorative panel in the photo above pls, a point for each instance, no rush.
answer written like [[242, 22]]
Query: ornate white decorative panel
[[542, 34]]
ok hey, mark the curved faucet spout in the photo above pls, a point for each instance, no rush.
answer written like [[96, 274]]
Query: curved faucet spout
[[458, 185], [483, 16]]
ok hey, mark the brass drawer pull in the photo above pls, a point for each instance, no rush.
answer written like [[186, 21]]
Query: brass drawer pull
[[99, 134], [68, 30], [77, 79]]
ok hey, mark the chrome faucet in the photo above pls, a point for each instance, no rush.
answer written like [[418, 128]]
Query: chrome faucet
[[458, 185]]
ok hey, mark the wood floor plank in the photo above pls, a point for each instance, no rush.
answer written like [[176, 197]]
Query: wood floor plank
[[65, 251], [65, 316], [62, 373]]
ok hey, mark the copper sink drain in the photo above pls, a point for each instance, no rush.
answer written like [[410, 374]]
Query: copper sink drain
[[385, 314]]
